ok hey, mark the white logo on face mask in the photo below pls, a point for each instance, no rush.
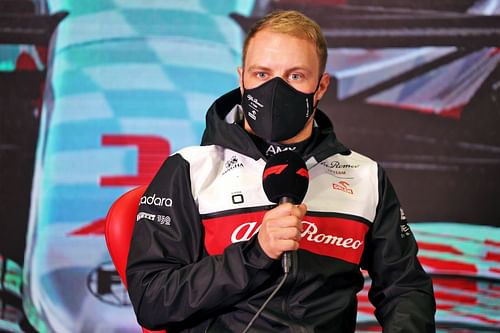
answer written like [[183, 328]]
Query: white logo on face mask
[[252, 115], [254, 100], [254, 105], [156, 201]]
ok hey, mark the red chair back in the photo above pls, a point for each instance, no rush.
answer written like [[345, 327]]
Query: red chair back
[[118, 233]]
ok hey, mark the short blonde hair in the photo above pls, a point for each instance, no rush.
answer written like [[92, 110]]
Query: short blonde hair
[[292, 23]]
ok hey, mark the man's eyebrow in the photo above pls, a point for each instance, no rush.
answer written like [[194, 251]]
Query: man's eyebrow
[[261, 68], [299, 68], [264, 68]]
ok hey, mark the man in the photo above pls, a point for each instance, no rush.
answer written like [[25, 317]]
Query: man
[[205, 255]]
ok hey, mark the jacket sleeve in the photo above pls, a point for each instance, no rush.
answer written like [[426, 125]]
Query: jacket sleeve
[[401, 291], [172, 282]]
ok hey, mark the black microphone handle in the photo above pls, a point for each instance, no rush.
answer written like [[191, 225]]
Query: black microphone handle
[[286, 259]]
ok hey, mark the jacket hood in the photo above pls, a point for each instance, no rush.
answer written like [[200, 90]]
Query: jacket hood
[[223, 128]]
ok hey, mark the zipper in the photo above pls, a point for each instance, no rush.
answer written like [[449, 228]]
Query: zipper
[[289, 286]]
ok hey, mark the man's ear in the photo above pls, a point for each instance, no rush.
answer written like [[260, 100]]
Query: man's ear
[[240, 78], [324, 82]]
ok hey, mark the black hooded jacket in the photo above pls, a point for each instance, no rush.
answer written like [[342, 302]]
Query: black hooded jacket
[[195, 264]]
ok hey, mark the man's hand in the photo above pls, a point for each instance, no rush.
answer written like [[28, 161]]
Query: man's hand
[[281, 229]]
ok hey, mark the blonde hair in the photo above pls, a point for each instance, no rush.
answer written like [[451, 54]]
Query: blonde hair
[[292, 23]]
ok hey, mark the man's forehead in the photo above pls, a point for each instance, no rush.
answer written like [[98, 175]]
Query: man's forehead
[[268, 34], [267, 49]]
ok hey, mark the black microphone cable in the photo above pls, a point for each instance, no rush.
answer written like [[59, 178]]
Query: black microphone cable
[[256, 315], [285, 179]]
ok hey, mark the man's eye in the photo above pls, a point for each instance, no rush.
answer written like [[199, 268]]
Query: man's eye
[[295, 76], [261, 75]]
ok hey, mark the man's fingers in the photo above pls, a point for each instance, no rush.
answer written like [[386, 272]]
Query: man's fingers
[[281, 229], [290, 233], [284, 222]]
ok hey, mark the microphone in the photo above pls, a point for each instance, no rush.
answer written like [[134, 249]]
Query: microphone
[[285, 179]]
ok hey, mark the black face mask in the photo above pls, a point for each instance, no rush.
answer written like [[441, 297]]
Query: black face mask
[[275, 110]]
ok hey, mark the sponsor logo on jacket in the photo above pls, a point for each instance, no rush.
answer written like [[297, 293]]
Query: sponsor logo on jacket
[[405, 230], [273, 150], [339, 165], [156, 201], [343, 186], [338, 169], [143, 215], [231, 164], [336, 237], [310, 233], [161, 219], [402, 214]]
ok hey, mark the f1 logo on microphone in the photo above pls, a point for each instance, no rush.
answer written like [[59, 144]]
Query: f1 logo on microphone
[[274, 170], [278, 169]]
